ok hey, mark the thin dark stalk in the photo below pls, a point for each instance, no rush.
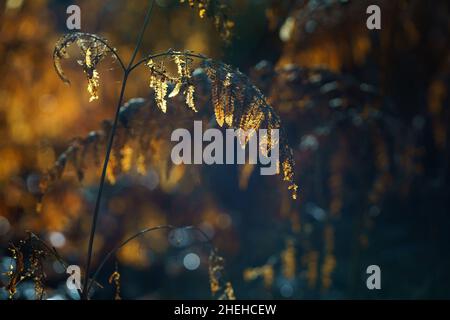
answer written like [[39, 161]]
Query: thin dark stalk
[[127, 71], [141, 35], [101, 185]]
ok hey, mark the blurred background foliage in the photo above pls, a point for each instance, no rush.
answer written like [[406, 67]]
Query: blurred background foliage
[[366, 113]]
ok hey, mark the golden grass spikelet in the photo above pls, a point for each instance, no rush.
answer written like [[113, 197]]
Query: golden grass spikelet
[[115, 278], [93, 85], [184, 75], [252, 118], [190, 97], [218, 107], [93, 50], [216, 88], [228, 100], [159, 83], [161, 91], [176, 90], [183, 66]]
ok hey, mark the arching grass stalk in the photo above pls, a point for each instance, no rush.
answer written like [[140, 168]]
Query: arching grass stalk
[[137, 235]]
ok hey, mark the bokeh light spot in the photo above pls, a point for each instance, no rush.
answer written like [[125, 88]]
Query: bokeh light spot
[[57, 239], [191, 261]]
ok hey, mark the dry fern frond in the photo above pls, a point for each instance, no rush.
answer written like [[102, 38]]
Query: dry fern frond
[[93, 50], [236, 101], [141, 142], [29, 255], [241, 105]]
